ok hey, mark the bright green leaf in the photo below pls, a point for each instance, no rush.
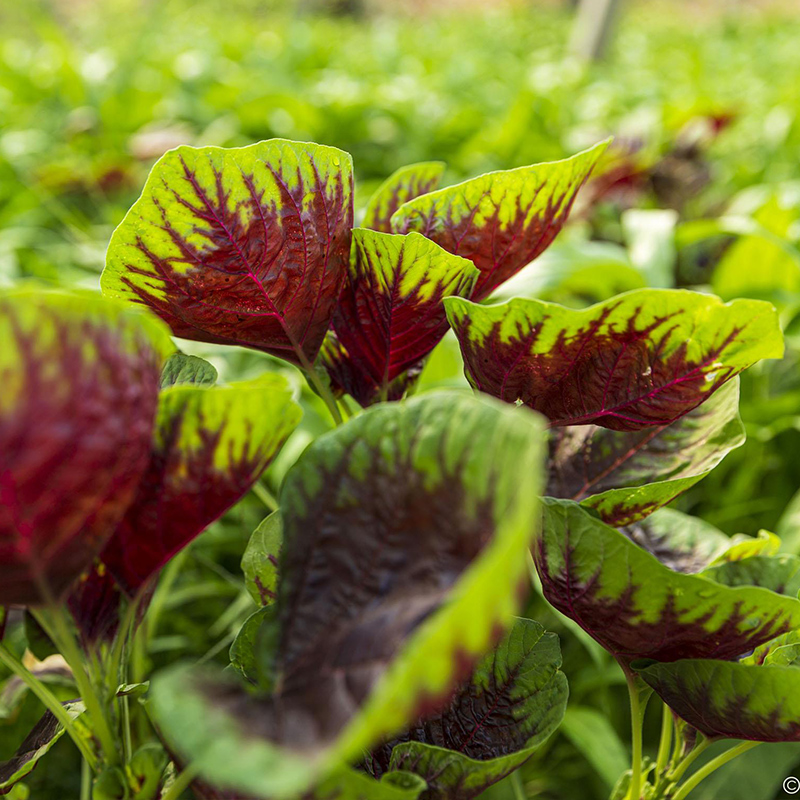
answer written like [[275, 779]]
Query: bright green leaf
[[181, 368], [260, 560]]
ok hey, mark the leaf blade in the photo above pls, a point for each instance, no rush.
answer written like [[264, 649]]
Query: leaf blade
[[80, 376], [501, 221], [512, 703], [390, 313], [642, 359], [729, 700], [210, 446], [639, 609], [434, 561], [630, 474], [243, 246]]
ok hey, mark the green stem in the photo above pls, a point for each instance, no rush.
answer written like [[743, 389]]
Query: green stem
[[118, 648], [265, 496], [712, 766], [165, 583], [637, 720], [665, 743], [127, 738], [516, 785], [50, 702], [676, 774], [181, 783], [63, 638], [86, 780], [322, 388], [533, 574]]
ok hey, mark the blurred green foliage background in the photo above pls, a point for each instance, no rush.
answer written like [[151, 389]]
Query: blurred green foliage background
[[702, 189]]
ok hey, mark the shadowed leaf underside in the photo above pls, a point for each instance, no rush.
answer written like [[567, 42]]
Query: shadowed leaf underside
[[95, 603], [80, 385], [244, 246], [514, 700], [210, 445], [679, 541], [636, 607], [642, 359], [404, 541], [626, 475], [391, 312], [500, 221]]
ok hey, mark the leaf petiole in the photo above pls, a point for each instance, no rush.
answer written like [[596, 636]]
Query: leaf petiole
[[638, 708], [713, 766], [323, 390], [676, 774], [265, 496], [665, 743], [516, 785]]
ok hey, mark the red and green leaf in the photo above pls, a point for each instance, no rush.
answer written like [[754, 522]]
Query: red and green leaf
[[690, 545], [729, 700], [636, 607], [401, 186], [211, 444], [500, 221], [640, 360], [391, 312], [681, 542], [405, 533], [513, 701], [778, 573], [347, 378], [782, 651], [245, 246], [626, 475], [80, 381]]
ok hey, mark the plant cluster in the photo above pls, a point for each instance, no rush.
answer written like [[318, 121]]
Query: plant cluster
[[385, 658]]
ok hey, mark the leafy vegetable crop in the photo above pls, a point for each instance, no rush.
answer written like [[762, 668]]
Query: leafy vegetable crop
[[386, 655]]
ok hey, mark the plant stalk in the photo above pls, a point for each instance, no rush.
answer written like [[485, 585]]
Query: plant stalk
[[637, 719], [124, 631], [265, 496], [665, 743], [516, 785], [62, 637], [86, 780], [322, 389], [147, 631], [676, 774], [713, 766]]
